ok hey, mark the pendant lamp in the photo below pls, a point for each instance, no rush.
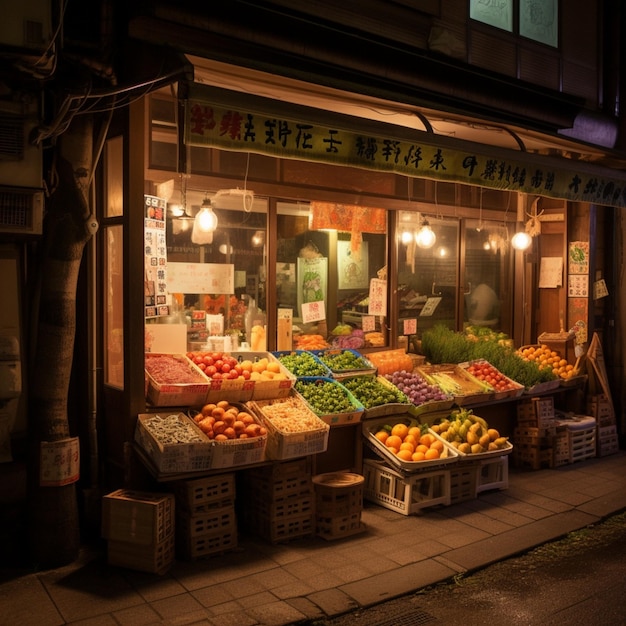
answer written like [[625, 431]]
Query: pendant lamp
[[425, 238], [204, 224]]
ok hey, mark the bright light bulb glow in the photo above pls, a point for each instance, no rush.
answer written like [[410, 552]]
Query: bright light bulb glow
[[406, 237], [207, 220], [521, 240], [426, 237]]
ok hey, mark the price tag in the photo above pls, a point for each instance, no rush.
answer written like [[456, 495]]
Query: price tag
[[313, 312], [368, 323], [59, 462], [377, 297], [409, 327]]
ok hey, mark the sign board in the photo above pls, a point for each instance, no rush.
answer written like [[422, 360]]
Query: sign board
[[209, 278]]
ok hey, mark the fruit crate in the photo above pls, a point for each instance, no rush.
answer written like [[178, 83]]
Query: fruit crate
[[561, 445], [351, 416], [161, 394], [283, 444], [493, 474], [192, 548], [201, 493], [464, 481], [208, 522], [537, 412], [338, 527], [138, 517], [368, 367], [171, 458], [283, 479], [370, 427], [154, 559], [285, 529], [534, 436], [581, 432], [405, 493], [607, 440]]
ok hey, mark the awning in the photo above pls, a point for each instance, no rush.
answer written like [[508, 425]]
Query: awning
[[298, 120]]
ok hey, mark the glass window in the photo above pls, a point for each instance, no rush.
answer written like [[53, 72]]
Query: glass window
[[427, 273], [222, 292], [486, 271], [498, 14], [327, 256]]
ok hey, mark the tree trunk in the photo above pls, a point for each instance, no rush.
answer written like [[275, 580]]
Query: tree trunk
[[54, 529]]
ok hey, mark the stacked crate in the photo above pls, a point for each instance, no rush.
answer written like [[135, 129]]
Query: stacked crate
[[139, 528], [601, 408], [536, 442], [580, 431], [277, 501], [206, 523], [338, 504]]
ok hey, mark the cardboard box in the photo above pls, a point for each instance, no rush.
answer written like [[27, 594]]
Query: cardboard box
[[139, 517], [161, 393]]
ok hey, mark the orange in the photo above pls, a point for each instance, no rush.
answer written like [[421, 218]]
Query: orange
[[427, 439], [393, 441], [437, 445], [407, 445], [417, 456], [410, 439], [382, 435], [272, 366], [431, 453], [421, 448], [405, 455], [400, 430], [416, 432]]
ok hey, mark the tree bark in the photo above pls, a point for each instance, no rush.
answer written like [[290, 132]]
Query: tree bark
[[54, 528]]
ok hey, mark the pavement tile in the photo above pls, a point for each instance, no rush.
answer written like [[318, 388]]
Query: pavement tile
[[397, 582], [309, 609], [140, 615], [213, 595], [183, 607], [292, 591], [26, 602], [275, 614], [333, 601]]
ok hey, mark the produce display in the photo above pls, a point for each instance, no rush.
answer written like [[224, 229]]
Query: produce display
[[453, 380], [371, 392], [302, 363], [344, 336], [442, 345], [487, 373], [170, 369], [290, 415], [171, 429], [411, 443], [469, 433], [223, 366], [325, 397], [310, 342], [343, 360], [547, 359], [222, 421], [484, 333], [416, 387]]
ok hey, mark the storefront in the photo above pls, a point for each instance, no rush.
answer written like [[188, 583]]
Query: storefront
[[318, 205]]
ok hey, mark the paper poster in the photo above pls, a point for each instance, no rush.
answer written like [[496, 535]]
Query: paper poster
[[578, 285], [352, 269], [551, 272], [155, 251], [312, 278], [578, 257], [313, 312], [210, 278]]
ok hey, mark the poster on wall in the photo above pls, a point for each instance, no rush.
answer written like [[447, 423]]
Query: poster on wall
[[155, 251], [312, 280], [578, 257], [352, 270], [210, 278]]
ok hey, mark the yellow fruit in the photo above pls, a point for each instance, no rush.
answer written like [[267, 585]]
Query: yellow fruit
[[431, 453], [405, 455], [493, 434], [407, 445], [393, 441], [417, 456], [382, 435]]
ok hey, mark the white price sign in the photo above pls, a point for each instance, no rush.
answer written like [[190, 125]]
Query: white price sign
[[313, 312]]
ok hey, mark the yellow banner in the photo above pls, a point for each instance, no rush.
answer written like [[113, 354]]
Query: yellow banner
[[238, 129]]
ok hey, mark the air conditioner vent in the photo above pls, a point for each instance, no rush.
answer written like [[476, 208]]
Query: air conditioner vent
[[21, 211], [11, 137]]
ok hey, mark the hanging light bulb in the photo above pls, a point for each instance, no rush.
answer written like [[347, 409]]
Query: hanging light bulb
[[204, 224], [406, 237], [521, 240], [425, 238]]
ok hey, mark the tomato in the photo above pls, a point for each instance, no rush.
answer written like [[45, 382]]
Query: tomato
[[233, 374], [216, 355], [210, 370], [218, 363], [202, 366], [197, 360], [246, 374], [225, 368], [217, 376], [208, 360], [238, 369]]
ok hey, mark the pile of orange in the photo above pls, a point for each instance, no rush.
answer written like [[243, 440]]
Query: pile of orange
[[409, 443], [545, 357]]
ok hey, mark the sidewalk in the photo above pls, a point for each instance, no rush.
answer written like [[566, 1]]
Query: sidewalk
[[263, 584]]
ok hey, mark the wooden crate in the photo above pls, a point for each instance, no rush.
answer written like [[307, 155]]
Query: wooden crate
[[209, 492], [533, 457], [493, 474], [464, 481], [607, 441]]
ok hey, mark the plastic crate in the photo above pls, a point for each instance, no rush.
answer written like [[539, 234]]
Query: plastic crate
[[561, 448], [207, 545], [279, 480], [405, 494], [493, 474], [156, 558], [138, 517], [210, 492], [581, 432], [537, 412], [338, 527], [464, 479], [211, 521], [607, 441], [284, 529]]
